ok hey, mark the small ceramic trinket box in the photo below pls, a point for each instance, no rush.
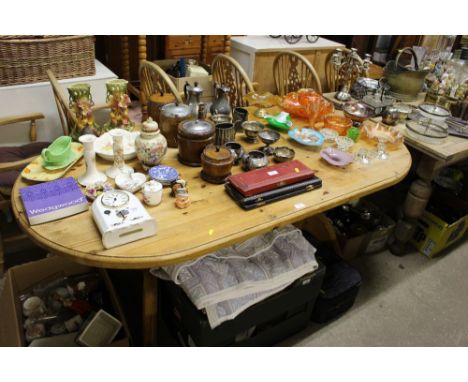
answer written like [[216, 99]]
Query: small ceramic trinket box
[[152, 193]]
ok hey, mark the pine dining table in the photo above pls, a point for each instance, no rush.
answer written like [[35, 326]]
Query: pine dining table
[[213, 220]]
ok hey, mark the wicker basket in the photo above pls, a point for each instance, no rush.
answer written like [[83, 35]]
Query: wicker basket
[[24, 59]]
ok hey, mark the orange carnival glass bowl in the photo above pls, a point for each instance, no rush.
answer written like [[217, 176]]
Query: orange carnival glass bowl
[[338, 123], [298, 104]]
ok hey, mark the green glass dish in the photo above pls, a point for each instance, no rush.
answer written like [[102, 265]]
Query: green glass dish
[[281, 121], [353, 133]]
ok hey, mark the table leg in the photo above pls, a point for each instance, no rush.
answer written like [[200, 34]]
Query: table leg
[[150, 309], [415, 204]]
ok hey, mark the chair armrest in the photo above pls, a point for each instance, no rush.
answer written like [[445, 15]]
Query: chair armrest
[[16, 165], [20, 118]]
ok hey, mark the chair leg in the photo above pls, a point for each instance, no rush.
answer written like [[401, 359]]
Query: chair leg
[[2, 255]]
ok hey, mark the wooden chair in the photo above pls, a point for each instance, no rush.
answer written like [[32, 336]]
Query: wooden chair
[[154, 80], [12, 160], [332, 77], [292, 71], [67, 117], [227, 71]]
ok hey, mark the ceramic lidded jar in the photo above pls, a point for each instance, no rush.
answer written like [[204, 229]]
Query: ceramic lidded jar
[[170, 117], [193, 136], [150, 145], [216, 163]]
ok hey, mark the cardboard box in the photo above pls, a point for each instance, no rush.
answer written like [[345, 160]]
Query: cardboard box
[[24, 276], [377, 239], [433, 234], [205, 82]]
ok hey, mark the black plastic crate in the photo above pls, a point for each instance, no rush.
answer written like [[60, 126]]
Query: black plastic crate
[[340, 285], [262, 324]]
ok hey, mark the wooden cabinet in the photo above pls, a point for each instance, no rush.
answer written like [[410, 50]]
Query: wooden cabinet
[[257, 53], [188, 46], [213, 45], [202, 48]]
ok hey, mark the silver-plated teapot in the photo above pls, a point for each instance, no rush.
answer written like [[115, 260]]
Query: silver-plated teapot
[[221, 103], [192, 97]]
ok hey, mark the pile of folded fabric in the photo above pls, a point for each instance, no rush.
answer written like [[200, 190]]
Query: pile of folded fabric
[[227, 282]]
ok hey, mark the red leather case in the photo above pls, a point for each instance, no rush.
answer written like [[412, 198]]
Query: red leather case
[[270, 177]]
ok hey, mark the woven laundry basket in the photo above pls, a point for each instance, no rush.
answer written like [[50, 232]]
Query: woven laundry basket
[[26, 59]]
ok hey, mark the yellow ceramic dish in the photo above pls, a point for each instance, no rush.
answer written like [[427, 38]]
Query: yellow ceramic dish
[[35, 170]]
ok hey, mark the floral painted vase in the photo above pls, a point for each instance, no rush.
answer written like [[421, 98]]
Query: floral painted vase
[[150, 145], [119, 101], [81, 103]]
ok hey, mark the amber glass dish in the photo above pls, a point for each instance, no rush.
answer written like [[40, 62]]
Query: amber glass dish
[[338, 123]]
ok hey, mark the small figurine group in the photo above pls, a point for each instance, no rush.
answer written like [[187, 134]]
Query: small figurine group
[[180, 191]]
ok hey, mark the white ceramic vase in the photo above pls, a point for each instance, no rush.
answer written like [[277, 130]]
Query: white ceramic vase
[[92, 174]]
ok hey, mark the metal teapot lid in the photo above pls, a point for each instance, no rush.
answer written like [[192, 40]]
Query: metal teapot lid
[[197, 128], [176, 110], [224, 88], [195, 88]]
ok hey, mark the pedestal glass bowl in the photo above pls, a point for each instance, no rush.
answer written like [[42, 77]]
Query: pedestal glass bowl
[[344, 143], [383, 135], [263, 101]]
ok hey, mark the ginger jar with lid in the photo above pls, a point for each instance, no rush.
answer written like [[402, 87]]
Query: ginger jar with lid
[[150, 145]]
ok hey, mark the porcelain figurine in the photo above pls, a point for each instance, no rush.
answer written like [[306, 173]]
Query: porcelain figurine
[[182, 198], [150, 145]]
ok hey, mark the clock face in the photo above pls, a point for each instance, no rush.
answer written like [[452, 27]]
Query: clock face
[[114, 199]]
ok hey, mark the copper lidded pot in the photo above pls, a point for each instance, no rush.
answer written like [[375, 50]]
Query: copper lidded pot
[[192, 137], [170, 117], [217, 162]]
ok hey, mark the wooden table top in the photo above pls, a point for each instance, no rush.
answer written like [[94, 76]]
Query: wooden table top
[[213, 220]]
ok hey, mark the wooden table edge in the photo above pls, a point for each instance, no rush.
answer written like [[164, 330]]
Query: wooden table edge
[[146, 262]]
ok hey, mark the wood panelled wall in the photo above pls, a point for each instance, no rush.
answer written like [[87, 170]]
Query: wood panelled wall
[[203, 48]]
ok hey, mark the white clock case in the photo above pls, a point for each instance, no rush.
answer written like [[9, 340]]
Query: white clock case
[[130, 230]]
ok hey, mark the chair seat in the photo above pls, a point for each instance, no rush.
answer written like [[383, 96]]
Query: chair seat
[[15, 153]]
